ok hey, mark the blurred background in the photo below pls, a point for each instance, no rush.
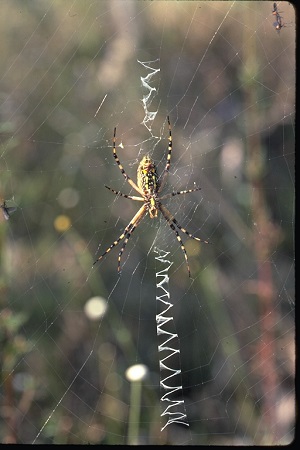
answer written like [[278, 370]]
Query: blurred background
[[70, 72]]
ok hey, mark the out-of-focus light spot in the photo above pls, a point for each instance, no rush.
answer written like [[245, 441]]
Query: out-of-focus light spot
[[95, 308], [23, 381], [68, 197], [95, 433], [62, 223], [232, 158], [107, 351], [113, 382], [138, 372]]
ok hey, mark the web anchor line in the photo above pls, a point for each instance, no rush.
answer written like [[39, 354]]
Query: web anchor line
[[170, 377]]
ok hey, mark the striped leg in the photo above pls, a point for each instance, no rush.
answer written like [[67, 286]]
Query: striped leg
[[179, 193], [168, 163], [127, 232], [132, 197], [141, 215], [168, 216], [127, 177]]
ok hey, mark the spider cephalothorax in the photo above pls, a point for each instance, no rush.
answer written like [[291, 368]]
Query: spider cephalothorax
[[149, 186]]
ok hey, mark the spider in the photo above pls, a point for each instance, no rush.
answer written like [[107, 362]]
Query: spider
[[149, 186]]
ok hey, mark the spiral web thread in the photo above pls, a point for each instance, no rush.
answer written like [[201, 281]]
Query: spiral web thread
[[175, 409]]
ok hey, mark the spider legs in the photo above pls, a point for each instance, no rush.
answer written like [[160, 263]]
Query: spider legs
[[179, 240], [179, 193], [172, 222], [126, 234], [169, 147], [132, 197], [168, 163], [127, 177], [129, 233], [167, 215]]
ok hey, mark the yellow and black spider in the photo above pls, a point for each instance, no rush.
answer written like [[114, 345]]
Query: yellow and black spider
[[149, 186]]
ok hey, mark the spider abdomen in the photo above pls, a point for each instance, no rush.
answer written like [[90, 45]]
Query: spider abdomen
[[147, 178]]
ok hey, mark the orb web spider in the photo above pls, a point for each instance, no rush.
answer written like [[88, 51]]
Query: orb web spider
[[149, 186]]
